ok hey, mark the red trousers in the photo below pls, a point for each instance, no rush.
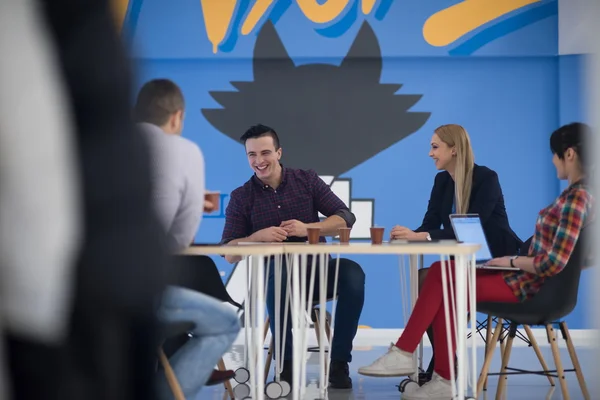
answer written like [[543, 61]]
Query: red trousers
[[429, 310]]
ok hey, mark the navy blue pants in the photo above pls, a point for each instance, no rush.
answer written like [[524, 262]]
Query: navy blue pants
[[351, 296]]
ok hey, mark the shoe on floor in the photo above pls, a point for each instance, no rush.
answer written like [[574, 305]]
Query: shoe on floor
[[392, 363], [437, 388], [339, 375], [219, 377]]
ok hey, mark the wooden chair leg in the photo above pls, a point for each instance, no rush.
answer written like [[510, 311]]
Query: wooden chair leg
[[489, 354], [269, 358], [328, 330], [170, 374], [227, 384], [538, 353], [559, 367], [505, 359], [575, 360], [266, 328], [317, 325], [488, 337], [502, 346]]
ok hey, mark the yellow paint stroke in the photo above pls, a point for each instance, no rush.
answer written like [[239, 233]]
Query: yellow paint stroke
[[448, 25], [119, 10], [217, 17], [364, 327], [256, 13], [322, 13], [367, 6]]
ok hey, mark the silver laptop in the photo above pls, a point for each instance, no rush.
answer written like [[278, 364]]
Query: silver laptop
[[468, 229]]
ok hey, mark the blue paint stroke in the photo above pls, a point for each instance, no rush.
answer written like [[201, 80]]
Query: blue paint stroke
[[339, 28], [383, 9], [505, 27], [132, 17], [229, 44], [280, 8]]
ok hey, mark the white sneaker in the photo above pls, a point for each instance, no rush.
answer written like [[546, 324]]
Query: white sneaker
[[392, 363], [437, 388]]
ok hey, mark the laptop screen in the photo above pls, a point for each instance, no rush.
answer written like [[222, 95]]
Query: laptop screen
[[468, 229]]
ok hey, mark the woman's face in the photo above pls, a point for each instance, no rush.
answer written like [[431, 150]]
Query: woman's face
[[442, 154], [567, 167], [561, 170]]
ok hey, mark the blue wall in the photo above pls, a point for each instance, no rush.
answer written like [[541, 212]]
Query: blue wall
[[503, 81]]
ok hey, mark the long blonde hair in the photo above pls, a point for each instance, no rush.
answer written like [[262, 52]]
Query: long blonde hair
[[456, 136]]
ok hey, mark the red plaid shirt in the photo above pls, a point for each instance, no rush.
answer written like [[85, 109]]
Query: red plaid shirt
[[556, 232]]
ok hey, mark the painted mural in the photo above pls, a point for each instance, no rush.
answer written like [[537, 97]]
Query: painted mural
[[355, 89]]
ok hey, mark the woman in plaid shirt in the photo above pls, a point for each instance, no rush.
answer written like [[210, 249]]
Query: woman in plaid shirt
[[556, 232]]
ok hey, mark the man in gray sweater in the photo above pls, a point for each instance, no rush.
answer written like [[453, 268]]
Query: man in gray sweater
[[178, 195]]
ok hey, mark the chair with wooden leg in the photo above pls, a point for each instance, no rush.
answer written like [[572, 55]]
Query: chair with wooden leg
[[503, 336], [555, 300], [172, 330], [200, 273]]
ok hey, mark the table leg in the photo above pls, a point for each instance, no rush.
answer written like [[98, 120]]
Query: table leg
[[277, 333], [460, 270], [414, 294], [259, 338], [306, 309], [333, 311], [419, 266], [322, 322], [247, 315], [296, 326], [447, 304], [472, 288], [251, 327]]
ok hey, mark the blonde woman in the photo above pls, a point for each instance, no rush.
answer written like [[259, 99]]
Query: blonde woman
[[557, 231], [462, 188]]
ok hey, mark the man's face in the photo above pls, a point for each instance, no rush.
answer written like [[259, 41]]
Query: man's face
[[263, 157]]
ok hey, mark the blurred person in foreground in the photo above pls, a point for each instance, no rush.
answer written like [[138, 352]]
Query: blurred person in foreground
[[39, 188], [111, 329], [178, 176]]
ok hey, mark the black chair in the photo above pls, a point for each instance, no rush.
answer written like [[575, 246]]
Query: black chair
[[198, 273], [528, 338], [555, 300], [172, 330]]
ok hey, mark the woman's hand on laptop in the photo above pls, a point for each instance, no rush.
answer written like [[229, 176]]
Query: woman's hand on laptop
[[499, 262]]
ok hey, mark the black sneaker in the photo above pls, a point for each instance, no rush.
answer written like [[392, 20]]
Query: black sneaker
[[339, 375]]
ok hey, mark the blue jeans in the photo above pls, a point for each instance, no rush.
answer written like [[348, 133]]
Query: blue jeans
[[351, 296], [217, 326]]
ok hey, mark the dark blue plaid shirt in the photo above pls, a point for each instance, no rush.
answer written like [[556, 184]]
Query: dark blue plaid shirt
[[301, 195]]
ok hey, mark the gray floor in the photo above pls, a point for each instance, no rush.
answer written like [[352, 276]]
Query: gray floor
[[519, 387]]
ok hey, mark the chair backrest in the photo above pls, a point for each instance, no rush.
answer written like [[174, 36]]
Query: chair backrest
[[200, 273], [559, 293]]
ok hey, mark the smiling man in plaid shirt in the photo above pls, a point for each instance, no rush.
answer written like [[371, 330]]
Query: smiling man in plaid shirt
[[277, 204]]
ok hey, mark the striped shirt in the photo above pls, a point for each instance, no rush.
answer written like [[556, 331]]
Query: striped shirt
[[178, 183], [556, 232]]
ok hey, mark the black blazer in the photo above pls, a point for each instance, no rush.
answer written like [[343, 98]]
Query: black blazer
[[487, 200]]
